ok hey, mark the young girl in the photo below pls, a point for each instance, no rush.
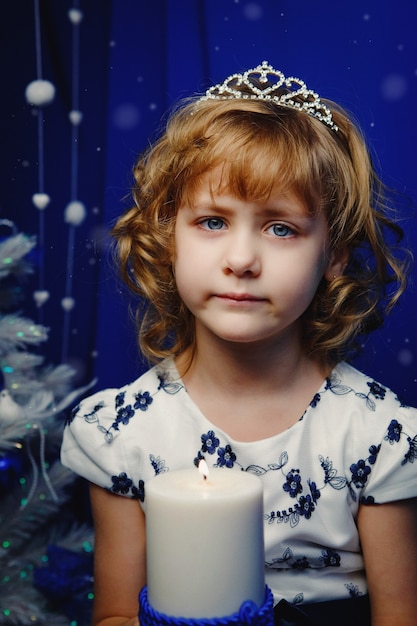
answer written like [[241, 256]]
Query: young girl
[[260, 250]]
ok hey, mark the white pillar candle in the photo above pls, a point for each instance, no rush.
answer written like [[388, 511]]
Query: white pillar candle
[[204, 542]]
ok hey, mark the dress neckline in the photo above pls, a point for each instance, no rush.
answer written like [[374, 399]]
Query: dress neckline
[[169, 366]]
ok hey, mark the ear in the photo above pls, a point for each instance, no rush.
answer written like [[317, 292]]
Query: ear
[[336, 265]]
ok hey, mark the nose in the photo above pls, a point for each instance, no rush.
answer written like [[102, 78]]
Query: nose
[[242, 256]]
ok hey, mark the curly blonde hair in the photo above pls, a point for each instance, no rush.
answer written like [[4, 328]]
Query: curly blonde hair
[[263, 147]]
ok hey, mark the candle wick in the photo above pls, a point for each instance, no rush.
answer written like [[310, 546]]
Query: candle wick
[[205, 477]]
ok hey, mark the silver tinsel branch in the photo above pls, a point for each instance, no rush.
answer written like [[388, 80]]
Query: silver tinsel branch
[[12, 255], [36, 522]]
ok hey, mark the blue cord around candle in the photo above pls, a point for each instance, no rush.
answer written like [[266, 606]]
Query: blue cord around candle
[[248, 615]]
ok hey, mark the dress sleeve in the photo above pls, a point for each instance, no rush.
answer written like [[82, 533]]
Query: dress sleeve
[[92, 446], [392, 462]]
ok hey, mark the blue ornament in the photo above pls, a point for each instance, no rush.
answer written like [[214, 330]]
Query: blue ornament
[[11, 469], [67, 582]]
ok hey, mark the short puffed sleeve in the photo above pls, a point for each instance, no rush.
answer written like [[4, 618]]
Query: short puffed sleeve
[[390, 471], [93, 447]]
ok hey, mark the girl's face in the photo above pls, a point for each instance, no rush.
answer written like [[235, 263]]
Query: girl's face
[[247, 270]]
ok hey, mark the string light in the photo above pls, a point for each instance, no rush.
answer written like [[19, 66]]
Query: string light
[[39, 93], [75, 211]]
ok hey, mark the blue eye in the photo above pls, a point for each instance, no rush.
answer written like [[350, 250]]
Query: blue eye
[[212, 223], [280, 230]]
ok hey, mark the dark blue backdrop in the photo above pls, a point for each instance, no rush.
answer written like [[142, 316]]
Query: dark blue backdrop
[[136, 59]]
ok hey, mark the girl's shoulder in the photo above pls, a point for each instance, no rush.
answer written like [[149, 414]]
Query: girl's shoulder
[[105, 433], [116, 403], [354, 406], [357, 389]]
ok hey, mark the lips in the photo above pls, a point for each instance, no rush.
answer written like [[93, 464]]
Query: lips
[[240, 297]]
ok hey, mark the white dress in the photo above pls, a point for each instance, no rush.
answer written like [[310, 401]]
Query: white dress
[[354, 444]]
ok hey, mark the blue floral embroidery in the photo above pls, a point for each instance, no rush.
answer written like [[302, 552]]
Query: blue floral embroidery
[[353, 590], [139, 491], [412, 452], [119, 399], [92, 416], [330, 474], [291, 516], [293, 484], [124, 415], [360, 472], [306, 506], [199, 458], [143, 400], [71, 416], [285, 558], [226, 457], [394, 432], [374, 451], [334, 385], [167, 384], [210, 442], [315, 400], [315, 492], [306, 503], [121, 483], [158, 464], [377, 390], [301, 564], [328, 558], [367, 500]]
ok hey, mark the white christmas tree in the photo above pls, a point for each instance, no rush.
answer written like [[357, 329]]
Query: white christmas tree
[[45, 551]]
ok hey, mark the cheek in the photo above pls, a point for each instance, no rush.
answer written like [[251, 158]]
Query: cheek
[[304, 278], [188, 260], [185, 272]]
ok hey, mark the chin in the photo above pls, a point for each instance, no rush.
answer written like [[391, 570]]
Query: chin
[[243, 338]]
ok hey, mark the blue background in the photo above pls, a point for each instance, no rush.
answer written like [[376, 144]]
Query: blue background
[[136, 59]]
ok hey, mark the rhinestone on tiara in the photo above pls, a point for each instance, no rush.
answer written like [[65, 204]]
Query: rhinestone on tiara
[[265, 83]]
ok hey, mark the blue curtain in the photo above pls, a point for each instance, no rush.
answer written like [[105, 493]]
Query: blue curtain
[[137, 58]]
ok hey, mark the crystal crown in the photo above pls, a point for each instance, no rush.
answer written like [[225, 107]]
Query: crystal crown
[[265, 83]]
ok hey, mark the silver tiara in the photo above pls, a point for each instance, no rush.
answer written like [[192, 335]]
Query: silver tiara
[[265, 83]]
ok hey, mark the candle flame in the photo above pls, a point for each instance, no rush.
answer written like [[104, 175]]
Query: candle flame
[[203, 468]]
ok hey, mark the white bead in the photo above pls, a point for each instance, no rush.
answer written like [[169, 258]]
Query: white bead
[[40, 297], [40, 92], [41, 200], [75, 117], [75, 16], [75, 213], [67, 303]]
